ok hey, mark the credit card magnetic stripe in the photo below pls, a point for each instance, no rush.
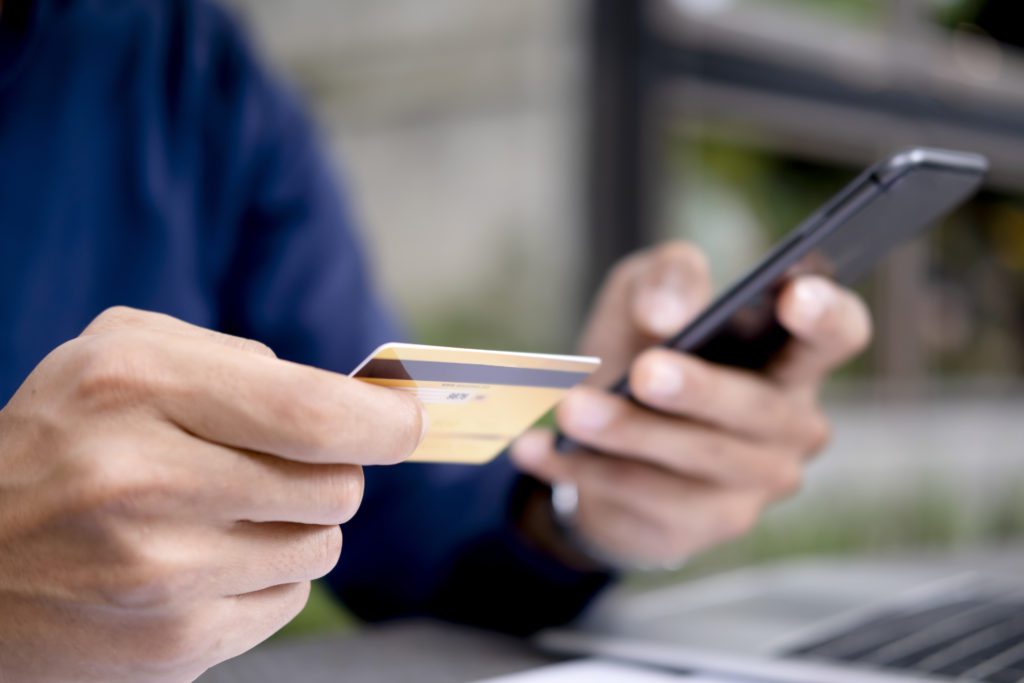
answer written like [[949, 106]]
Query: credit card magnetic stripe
[[442, 354], [469, 373]]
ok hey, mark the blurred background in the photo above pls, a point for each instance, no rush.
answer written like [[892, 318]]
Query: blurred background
[[500, 155]]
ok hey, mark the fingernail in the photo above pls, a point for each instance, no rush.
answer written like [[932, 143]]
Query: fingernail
[[664, 380], [665, 311], [589, 413], [813, 297]]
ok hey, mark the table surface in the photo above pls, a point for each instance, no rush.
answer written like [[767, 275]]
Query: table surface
[[432, 652], [420, 651]]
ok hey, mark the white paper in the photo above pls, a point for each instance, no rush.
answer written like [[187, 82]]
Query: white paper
[[599, 671]]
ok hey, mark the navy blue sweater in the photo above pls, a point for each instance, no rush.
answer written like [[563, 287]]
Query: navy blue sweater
[[148, 159]]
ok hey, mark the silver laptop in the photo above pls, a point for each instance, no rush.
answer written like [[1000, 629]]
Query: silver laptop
[[838, 621]]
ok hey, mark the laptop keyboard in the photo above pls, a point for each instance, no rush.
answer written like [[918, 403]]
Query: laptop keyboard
[[968, 638]]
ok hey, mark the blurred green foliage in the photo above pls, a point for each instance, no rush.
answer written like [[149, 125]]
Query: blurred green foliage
[[852, 11], [955, 12], [874, 12], [323, 614], [929, 520]]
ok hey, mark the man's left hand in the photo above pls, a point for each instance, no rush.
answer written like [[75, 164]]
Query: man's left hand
[[658, 485]]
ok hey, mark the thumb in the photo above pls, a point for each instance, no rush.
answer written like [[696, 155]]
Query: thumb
[[648, 298]]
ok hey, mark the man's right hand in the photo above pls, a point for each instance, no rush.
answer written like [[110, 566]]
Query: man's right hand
[[168, 492]]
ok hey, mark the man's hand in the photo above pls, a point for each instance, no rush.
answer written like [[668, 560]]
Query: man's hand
[[167, 493], [718, 444]]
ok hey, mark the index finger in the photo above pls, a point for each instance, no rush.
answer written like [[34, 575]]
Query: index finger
[[257, 402], [120, 318], [735, 400]]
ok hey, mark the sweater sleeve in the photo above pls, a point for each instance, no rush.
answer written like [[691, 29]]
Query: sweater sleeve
[[429, 540]]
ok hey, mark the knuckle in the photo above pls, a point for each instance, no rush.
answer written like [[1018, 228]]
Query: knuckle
[[176, 642], [616, 473], [341, 492], [717, 448], [113, 371], [108, 511], [116, 317], [293, 601], [788, 479], [774, 407], [146, 581], [623, 273], [817, 434], [114, 484], [328, 550], [862, 329], [625, 268], [687, 254], [738, 519], [603, 473], [252, 346], [94, 483]]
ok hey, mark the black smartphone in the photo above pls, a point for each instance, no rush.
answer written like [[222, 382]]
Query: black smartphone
[[887, 205]]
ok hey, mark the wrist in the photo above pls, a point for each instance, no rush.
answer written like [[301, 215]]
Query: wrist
[[565, 508], [565, 503], [542, 525]]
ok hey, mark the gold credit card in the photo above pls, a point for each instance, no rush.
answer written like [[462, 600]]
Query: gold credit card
[[477, 401]]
